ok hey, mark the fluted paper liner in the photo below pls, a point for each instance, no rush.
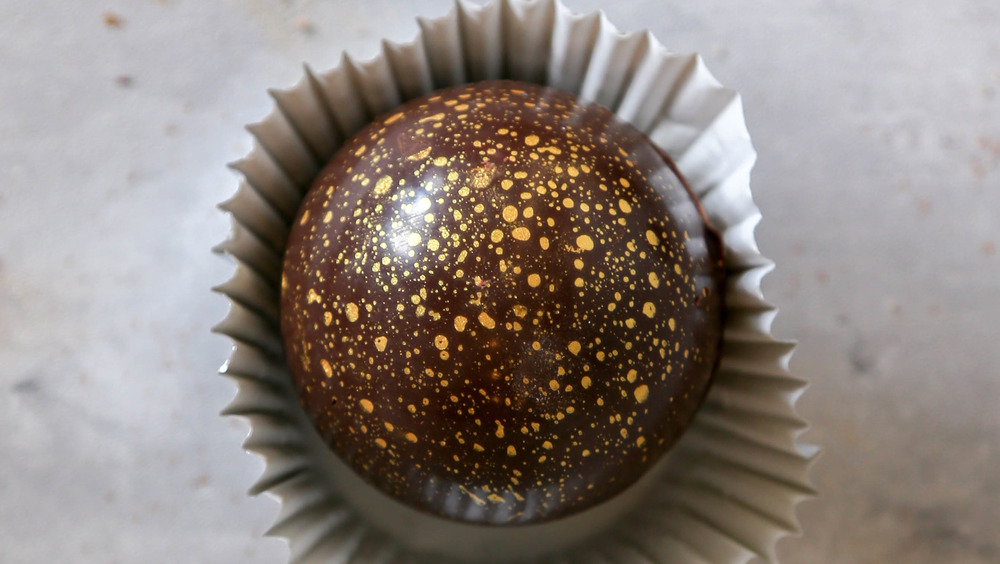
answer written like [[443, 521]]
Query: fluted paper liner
[[725, 494]]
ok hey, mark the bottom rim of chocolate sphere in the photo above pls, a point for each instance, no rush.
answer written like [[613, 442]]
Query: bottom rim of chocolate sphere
[[426, 537]]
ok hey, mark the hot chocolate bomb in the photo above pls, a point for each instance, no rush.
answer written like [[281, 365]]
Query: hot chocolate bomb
[[501, 305]]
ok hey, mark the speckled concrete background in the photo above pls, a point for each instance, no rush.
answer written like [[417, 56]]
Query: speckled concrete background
[[878, 128]]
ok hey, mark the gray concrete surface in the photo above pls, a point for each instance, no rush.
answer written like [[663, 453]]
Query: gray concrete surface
[[878, 128]]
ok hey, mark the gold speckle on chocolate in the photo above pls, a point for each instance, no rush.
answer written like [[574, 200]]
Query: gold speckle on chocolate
[[486, 320], [642, 393], [351, 310], [367, 405], [652, 237], [509, 213], [382, 186], [521, 233], [500, 305]]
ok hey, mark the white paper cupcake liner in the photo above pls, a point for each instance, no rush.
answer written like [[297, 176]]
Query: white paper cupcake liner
[[725, 494]]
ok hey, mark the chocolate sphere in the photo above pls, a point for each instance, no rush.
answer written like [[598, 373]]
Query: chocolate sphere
[[501, 305]]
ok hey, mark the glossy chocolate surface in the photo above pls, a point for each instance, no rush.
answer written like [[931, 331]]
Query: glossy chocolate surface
[[499, 305]]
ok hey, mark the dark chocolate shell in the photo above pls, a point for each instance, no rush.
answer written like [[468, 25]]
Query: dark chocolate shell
[[501, 305]]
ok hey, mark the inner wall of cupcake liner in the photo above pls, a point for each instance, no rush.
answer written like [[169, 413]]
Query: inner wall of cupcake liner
[[725, 494]]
